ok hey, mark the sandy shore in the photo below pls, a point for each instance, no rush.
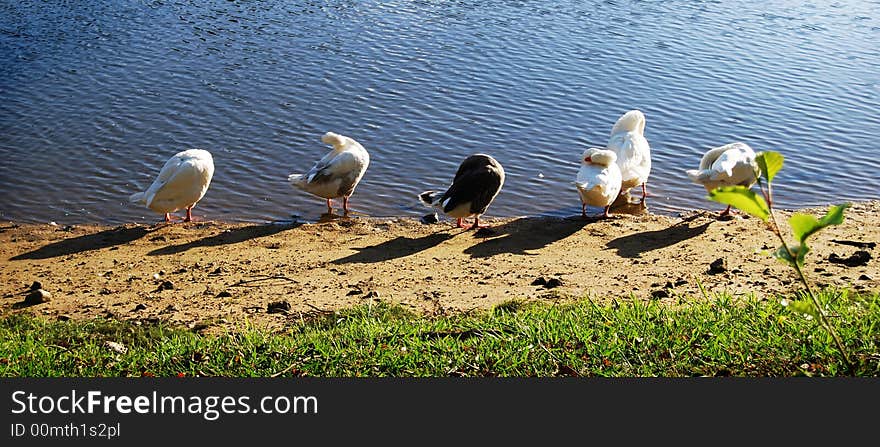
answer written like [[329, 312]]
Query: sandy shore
[[213, 275]]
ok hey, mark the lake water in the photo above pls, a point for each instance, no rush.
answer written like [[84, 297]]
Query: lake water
[[95, 96]]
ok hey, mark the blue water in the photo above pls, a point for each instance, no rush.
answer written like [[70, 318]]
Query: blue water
[[95, 96]]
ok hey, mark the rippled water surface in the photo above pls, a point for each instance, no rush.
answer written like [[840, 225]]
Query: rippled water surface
[[95, 96]]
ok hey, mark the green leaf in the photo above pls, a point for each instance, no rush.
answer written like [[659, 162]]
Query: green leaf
[[770, 163], [805, 225], [799, 252], [834, 216], [743, 199], [803, 307], [782, 254]]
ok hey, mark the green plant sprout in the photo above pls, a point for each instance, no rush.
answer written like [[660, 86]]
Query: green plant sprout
[[802, 227]]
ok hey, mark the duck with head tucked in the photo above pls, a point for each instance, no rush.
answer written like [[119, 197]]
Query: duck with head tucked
[[728, 165], [182, 182], [598, 180], [476, 184], [633, 151], [337, 174]]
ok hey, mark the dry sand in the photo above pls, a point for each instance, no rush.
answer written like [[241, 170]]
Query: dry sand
[[211, 276]]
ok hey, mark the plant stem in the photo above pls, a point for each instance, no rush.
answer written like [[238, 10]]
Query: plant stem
[[821, 312], [794, 263]]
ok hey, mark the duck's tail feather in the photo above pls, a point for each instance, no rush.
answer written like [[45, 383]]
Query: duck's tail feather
[[697, 176], [297, 180], [582, 186]]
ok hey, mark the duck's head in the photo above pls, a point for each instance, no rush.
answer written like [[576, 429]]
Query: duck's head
[[334, 139], [632, 121], [600, 157]]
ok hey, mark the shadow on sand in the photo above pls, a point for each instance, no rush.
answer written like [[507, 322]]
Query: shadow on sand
[[96, 241], [526, 233], [232, 236], [634, 245], [22, 304], [398, 247]]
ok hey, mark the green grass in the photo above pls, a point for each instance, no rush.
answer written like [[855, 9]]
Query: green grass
[[718, 337]]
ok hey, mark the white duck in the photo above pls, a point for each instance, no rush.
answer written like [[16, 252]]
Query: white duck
[[476, 183], [633, 152], [728, 165], [598, 180], [182, 182], [338, 173]]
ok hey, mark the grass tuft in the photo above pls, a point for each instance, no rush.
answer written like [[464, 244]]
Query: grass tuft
[[724, 336]]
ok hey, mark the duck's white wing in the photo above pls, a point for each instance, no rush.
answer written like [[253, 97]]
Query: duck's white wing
[[333, 166], [588, 176], [633, 154], [180, 190], [732, 164], [333, 176], [183, 185], [325, 162], [598, 185], [735, 166], [170, 170]]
